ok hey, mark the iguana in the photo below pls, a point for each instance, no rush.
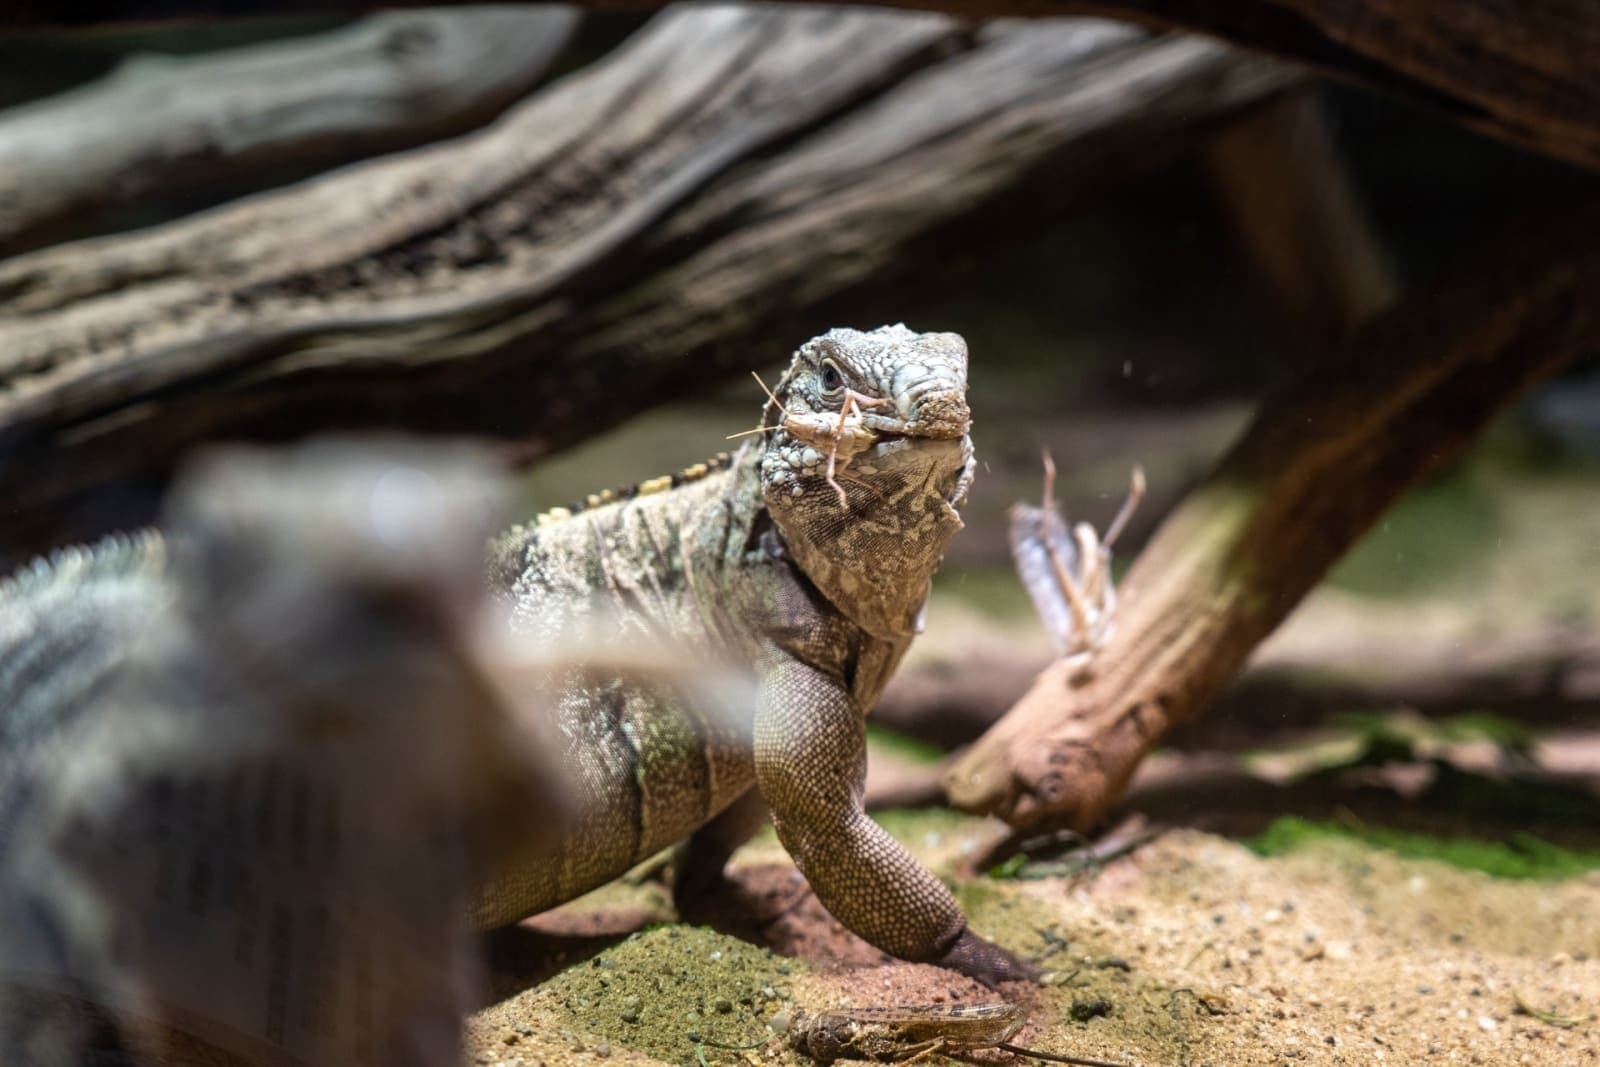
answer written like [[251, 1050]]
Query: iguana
[[807, 556], [248, 766], [294, 628]]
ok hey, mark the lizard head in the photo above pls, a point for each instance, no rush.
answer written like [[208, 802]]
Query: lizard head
[[890, 407]]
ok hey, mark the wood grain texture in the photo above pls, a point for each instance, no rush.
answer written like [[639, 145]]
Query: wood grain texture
[[1522, 72], [669, 216], [163, 126]]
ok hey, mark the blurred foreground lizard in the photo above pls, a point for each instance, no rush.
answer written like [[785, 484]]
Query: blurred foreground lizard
[[807, 556], [250, 766]]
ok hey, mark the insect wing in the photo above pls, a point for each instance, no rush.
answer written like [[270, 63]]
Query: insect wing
[[1032, 532]]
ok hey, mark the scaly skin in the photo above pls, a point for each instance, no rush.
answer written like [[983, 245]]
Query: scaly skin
[[758, 564], [247, 766]]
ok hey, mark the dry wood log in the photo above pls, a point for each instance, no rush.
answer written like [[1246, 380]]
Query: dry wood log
[[1322, 460], [1523, 72], [165, 126], [594, 252]]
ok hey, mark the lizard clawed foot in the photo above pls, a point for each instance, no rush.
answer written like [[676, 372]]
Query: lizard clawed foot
[[985, 961]]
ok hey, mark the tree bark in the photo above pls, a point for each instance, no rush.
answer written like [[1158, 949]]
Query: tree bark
[[1523, 72], [167, 126], [671, 215], [1319, 464]]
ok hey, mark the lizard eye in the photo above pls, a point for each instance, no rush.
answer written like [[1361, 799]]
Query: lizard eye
[[832, 380]]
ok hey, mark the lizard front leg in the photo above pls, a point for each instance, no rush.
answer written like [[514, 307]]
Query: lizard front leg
[[811, 765]]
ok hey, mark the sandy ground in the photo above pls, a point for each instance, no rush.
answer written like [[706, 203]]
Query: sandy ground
[[1191, 950]]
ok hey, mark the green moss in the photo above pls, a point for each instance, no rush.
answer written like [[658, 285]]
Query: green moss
[[665, 989], [1519, 856]]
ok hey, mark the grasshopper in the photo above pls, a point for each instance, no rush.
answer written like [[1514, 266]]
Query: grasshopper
[[1067, 570], [908, 1034], [841, 437]]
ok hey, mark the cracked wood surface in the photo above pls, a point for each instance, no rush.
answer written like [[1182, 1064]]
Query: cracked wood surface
[[1322, 460], [625, 236], [162, 126], [1522, 72]]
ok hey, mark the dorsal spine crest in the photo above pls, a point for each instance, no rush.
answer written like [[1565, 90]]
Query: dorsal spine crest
[[649, 487], [115, 555]]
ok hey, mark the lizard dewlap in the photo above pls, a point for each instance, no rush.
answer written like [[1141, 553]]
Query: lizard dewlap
[[806, 557]]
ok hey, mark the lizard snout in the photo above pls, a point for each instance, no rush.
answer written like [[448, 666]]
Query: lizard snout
[[934, 409]]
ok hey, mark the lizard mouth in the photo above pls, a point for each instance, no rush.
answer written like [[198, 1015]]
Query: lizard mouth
[[911, 447], [927, 426]]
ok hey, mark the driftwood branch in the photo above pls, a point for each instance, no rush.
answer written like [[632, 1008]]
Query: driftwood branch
[[1319, 464], [599, 249], [166, 125], [1522, 72]]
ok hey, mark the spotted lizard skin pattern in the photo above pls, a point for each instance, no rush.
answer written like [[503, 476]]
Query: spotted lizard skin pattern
[[758, 564]]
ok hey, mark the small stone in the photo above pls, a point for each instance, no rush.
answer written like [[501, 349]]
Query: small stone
[[1089, 1008], [603, 1049], [631, 1007], [1487, 1024], [722, 1005], [511, 1039]]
